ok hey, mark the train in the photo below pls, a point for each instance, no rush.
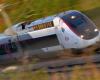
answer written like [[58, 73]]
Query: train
[[67, 30]]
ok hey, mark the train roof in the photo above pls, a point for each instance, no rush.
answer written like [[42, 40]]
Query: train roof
[[32, 23]]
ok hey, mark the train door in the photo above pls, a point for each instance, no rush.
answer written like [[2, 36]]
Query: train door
[[59, 33], [65, 37]]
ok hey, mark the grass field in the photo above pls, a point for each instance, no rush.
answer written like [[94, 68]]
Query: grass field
[[91, 73]]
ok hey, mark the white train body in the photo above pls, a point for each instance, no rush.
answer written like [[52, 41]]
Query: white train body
[[67, 30], [67, 37]]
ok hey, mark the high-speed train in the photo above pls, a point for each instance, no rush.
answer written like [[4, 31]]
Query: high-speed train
[[67, 30]]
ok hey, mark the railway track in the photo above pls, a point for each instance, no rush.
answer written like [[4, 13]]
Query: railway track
[[57, 64], [61, 68]]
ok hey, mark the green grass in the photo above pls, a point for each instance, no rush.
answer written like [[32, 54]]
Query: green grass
[[44, 8], [35, 9]]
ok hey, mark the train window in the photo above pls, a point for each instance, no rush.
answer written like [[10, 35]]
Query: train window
[[74, 19], [46, 41], [43, 25], [2, 51], [78, 21], [80, 24], [8, 48], [12, 47], [23, 26]]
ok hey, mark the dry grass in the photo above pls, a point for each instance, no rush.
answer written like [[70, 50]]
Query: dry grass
[[92, 73], [86, 72]]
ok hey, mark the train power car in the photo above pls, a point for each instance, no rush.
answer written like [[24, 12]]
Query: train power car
[[67, 30]]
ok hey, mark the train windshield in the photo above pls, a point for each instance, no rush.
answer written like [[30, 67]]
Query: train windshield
[[80, 25]]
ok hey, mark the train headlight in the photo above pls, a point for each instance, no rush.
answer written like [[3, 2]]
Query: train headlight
[[82, 36], [73, 17], [95, 30]]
